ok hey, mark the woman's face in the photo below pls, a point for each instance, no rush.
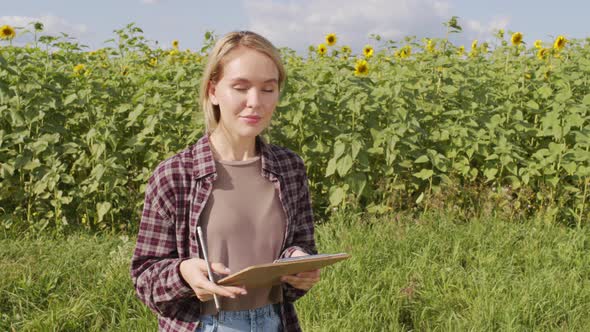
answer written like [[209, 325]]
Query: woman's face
[[247, 92]]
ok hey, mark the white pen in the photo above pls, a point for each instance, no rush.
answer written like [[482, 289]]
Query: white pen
[[204, 247]]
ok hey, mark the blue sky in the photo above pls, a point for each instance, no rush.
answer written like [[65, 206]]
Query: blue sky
[[300, 23]]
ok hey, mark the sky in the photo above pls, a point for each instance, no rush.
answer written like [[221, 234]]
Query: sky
[[297, 24]]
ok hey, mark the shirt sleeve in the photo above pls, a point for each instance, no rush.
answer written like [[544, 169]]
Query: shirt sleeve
[[155, 266], [303, 232]]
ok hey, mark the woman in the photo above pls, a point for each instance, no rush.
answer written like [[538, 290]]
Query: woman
[[251, 199]]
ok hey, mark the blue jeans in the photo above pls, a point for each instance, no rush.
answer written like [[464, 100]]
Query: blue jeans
[[263, 319]]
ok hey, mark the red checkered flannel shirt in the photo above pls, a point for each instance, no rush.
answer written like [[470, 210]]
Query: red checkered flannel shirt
[[174, 199]]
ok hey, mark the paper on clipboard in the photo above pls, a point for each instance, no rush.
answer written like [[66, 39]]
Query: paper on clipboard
[[266, 275]]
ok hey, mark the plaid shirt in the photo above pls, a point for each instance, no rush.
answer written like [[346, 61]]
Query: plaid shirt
[[174, 199]]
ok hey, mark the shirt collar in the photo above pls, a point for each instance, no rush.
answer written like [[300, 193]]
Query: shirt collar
[[204, 163]]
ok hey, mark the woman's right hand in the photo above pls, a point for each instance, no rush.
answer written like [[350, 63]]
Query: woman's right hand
[[194, 272]]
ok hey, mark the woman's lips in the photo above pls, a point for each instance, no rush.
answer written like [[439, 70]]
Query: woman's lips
[[251, 119]]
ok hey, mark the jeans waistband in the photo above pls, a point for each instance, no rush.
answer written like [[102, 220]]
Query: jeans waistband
[[262, 312]]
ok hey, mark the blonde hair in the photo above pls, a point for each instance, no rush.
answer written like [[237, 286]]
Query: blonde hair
[[214, 68]]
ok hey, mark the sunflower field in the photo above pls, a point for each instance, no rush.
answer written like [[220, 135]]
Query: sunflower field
[[411, 125]]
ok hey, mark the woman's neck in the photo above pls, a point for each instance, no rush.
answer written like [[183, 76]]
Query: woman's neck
[[230, 147]]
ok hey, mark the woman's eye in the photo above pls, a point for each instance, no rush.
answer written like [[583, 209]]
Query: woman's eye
[[240, 88], [268, 90]]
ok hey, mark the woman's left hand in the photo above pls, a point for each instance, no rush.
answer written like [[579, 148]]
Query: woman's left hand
[[303, 280]]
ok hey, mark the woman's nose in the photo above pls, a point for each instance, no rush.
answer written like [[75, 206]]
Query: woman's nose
[[253, 98]]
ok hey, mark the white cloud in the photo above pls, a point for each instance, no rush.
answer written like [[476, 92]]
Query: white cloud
[[300, 23], [52, 25], [478, 30]]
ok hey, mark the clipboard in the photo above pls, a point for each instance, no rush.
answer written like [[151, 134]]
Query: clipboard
[[267, 275]]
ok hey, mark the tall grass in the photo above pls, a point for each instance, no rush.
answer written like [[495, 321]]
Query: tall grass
[[435, 273]]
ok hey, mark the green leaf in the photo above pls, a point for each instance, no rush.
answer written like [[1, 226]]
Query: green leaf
[[449, 89], [356, 147], [102, 209], [69, 99], [343, 165], [331, 168], [337, 195], [133, 115], [421, 159], [424, 174], [545, 91], [339, 148], [420, 198], [570, 168], [490, 173], [532, 104]]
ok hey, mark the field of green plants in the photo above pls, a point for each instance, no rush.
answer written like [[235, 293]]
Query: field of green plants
[[437, 273], [411, 125]]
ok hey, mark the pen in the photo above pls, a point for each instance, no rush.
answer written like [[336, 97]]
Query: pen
[[204, 247]]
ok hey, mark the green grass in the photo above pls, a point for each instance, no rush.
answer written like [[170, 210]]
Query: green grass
[[436, 273]]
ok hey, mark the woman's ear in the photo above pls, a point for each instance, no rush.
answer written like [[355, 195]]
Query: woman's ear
[[211, 92]]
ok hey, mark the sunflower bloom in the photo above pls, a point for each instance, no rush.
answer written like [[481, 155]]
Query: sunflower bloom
[[484, 47], [516, 38], [405, 52], [174, 52], [79, 69], [430, 46], [7, 32], [559, 43], [361, 68], [331, 39], [153, 62], [175, 44], [368, 51], [461, 50], [538, 44], [474, 45], [542, 53], [322, 49]]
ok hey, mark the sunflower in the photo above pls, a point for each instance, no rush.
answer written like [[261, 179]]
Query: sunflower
[[175, 44], [538, 44], [461, 50], [346, 49], [7, 32], [331, 39], [501, 33], [322, 49], [516, 38], [430, 46], [559, 43], [542, 53], [368, 51], [79, 69], [484, 47], [153, 62], [473, 53], [361, 68], [174, 52], [405, 52], [38, 26], [124, 70]]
